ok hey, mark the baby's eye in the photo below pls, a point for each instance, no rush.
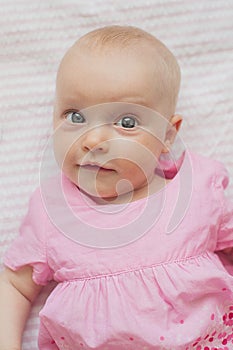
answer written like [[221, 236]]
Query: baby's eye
[[127, 122], [75, 117]]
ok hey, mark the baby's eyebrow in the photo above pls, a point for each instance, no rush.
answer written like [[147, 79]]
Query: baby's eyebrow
[[70, 105], [139, 100]]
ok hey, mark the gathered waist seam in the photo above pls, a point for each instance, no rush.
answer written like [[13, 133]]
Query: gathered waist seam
[[84, 278]]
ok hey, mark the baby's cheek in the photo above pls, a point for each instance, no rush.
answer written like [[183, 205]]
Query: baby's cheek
[[59, 152], [64, 144]]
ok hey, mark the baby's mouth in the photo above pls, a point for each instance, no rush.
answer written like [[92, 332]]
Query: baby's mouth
[[95, 168]]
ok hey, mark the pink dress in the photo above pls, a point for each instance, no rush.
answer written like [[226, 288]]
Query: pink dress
[[159, 286]]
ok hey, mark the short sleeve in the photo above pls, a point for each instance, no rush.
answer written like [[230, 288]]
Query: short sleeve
[[29, 248], [225, 230]]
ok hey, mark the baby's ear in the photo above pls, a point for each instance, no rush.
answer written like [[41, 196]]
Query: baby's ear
[[172, 129]]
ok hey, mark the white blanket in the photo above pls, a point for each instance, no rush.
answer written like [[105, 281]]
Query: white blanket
[[33, 37]]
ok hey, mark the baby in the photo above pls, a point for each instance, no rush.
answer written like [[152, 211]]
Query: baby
[[132, 245]]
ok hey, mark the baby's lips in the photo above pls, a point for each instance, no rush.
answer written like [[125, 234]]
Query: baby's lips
[[95, 167]]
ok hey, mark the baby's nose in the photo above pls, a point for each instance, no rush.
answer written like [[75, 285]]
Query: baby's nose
[[96, 140]]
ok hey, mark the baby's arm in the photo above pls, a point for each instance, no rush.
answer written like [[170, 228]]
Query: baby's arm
[[17, 292]]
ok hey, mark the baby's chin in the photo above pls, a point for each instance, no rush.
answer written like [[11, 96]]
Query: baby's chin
[[106, 196]]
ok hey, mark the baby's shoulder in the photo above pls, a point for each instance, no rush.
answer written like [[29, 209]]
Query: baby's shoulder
[[209, 169], [39, 197], [207, 162]]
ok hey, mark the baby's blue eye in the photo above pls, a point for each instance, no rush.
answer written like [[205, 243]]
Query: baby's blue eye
[[127, 122], [75, 117]]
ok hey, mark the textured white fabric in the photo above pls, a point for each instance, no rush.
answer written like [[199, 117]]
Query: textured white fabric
[[34, 36]]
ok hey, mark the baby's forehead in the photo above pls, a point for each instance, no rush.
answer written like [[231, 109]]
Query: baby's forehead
[[111, 58], [145, 55]]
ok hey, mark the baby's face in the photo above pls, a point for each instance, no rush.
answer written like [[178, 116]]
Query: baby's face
[[108, 136]]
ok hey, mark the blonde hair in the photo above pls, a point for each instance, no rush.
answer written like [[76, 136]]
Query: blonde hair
[[107, 38], [118, 36]]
